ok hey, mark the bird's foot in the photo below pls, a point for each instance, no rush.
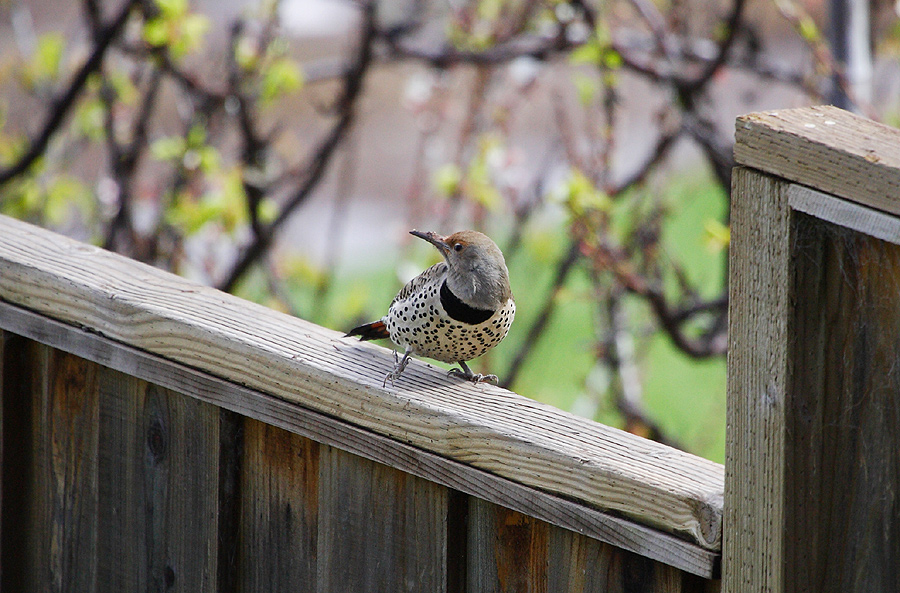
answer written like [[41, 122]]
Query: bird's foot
[[399, 365], [466, 373]]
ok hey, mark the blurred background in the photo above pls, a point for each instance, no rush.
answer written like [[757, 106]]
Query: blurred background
[[283, 150]]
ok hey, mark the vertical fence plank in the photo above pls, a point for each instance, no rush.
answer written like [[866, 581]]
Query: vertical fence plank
[[579, 564], [379, 529], [757, 375], [123, 542], [159, 488], [68, 447], [508, 551], [50, 470], [842, 529], [279, 514]]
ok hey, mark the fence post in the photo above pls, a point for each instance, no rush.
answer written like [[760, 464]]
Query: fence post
[[812, 492]]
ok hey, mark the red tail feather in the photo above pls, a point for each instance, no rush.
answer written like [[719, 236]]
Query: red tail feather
[[370, 331]]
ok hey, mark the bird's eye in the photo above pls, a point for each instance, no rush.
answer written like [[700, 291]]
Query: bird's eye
[[458, 247]]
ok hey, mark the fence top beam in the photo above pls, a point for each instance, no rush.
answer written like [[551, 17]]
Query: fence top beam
[[480, 425], [826, 148]]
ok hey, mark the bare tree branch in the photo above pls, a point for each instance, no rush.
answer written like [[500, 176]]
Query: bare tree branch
[[61, 107], [353, 84]]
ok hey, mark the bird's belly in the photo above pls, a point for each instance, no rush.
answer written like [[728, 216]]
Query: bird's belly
[[430, 332]]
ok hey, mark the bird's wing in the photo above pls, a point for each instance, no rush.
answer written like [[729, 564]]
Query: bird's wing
[[416, 283]]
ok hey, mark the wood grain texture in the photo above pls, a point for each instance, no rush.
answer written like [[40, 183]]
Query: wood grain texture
[[825, 148], [508, 551], [483, 426], [581, 565], [380, 529], [844, 214], [51, 539], [753, 554], [279, 510], [842, 505], [68, 447], [158, 488], [324, 429]]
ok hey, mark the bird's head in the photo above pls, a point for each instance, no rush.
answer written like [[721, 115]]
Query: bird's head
[[476, 270]]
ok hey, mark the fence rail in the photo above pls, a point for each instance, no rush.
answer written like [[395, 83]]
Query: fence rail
[[159, 435], [157, 432]]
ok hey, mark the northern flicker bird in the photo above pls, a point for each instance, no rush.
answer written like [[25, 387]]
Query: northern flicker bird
[[454, 311]]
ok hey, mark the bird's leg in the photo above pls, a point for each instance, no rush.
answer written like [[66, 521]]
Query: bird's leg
[[466, 373], [399, 365]]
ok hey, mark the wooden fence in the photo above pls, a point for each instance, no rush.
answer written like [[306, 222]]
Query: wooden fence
[[813, 453], [162, 436]]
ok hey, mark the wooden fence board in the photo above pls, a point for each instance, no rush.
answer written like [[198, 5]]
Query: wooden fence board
[[327, 430], [380, 530], [582, 565], [508, 551], [757, 383], [826, 148], [67, 443], [842, 529], [159, 492], [479, 425], [122, 550], [279, 510]]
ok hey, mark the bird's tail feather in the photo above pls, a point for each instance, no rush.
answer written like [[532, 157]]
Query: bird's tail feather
[[370, 331]]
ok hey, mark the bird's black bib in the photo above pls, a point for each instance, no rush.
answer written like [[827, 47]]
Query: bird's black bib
[[460, 311]]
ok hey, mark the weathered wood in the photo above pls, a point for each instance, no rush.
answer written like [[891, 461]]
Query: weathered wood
[[486, 427], [158, 488], [323, 429], [825, 148], [51, 491], [508, 551], [513, 553], [379, 529], [753, 554], [842, 481], [279, 510], [812, 466], [67, 446]]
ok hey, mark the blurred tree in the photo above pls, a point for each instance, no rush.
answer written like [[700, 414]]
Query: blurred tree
[[152, 142]]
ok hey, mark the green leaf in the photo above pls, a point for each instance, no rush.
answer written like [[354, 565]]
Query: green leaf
[[281, 77], [586, 87], [90, 119], [168, 148], [44, 65], [156, 32], [589, 53], [580, 195], [172, 8], [717, 235], [808, 30], [447, 180]]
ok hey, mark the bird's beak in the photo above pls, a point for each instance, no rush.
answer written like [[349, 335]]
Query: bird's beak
[[433, 238]]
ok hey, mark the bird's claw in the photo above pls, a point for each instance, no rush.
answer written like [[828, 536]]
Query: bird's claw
[[399, 365], [473, 377]]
